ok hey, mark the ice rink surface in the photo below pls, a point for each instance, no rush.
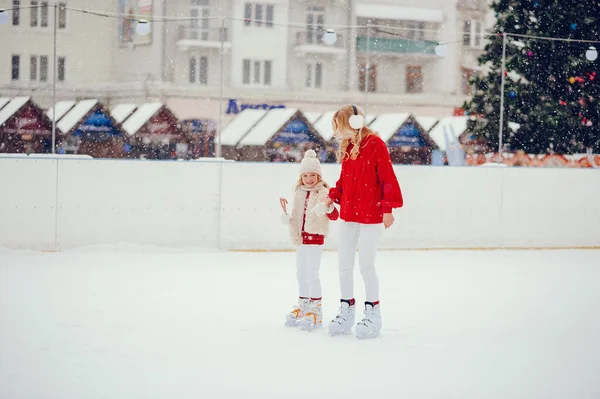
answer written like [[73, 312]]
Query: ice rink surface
[[124, 322]]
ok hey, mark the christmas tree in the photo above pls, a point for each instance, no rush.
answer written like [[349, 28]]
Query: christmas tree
[[552, 87]]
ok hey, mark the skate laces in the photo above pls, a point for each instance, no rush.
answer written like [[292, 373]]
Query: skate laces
[[368, 314]]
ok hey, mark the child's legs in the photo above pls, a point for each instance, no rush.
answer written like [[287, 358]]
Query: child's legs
[[313, 265], [348, 239], [367, 249], [302, 271]]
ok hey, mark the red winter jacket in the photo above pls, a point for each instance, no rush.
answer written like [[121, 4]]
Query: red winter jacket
[[368, 186]]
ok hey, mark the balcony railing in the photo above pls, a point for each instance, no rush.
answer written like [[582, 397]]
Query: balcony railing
[[186, 32], [315, 37]]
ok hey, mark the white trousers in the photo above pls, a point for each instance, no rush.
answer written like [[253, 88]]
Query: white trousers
[[365, 237], [308, 263]]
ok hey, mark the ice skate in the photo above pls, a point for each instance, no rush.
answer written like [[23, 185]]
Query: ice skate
[[342, 324], [313, 319], [297, 314], [370, 325]]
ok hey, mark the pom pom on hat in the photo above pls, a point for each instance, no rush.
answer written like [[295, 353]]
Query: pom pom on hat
[[310, 163]]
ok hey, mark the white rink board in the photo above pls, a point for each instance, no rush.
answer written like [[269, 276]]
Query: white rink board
[[170, 204], [235, 205], [27, 203]]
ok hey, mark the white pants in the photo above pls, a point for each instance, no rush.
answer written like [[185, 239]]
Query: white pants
[[366, 238], [308, 262]]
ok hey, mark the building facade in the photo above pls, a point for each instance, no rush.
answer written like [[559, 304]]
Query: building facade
[[209, 58]]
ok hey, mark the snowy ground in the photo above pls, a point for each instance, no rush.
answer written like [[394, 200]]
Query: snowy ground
[[127, 322]]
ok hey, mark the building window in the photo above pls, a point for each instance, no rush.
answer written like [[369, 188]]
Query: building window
[[203, 70], [61, 68], [256, 72], [362, 77], [44, 12], [270, 11], [199, 28], [15, 67], [314, 75], [247, 14], [465, 81], [472, 31], [62, 15], [253, 68], [43, 68], [414, 79], [246, 78], [263, 14], [33, 67], [193, 70], [477, 36], [315, 17], [258, 12], [34, 13], [16, 15], [267, 81]]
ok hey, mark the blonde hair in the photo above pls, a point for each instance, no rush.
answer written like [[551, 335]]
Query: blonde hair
[[346, 135], [319, 180]]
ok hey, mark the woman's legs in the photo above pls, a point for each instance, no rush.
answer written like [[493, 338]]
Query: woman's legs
[[370, 235], [348, 241]]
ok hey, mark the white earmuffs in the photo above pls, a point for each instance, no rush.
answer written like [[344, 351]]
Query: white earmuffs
[[356, 121]]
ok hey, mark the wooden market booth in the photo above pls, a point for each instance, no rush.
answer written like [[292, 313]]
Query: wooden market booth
[[282, 135], [86, 127], [154, 132], [406, 139], [24, 127]]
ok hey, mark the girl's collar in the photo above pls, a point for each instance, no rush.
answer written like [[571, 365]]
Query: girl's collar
[[316, 187]]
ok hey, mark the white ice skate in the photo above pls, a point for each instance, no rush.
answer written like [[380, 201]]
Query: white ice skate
[[370, 325], [297, 314], [313, 319], [342, 324]]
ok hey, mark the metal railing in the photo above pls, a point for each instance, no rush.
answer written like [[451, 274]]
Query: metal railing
[[186, 32], [315, 37]]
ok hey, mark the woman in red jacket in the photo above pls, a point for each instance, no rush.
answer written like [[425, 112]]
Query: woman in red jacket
[[366, 191]]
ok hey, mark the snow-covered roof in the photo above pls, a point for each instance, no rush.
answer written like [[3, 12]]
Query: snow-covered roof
[[140, 117], [268, 126], [238, 127], [388, 124], [4, 101], [122, 111], [72, 117], [62, 107], [388, 11], [426, 122], [13, 106], [454, 126], [323, 125], [312, 116]]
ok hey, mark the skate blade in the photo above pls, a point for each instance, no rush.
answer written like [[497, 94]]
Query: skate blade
[[366, 335], [292, 323], [335, 333], [311, 327]]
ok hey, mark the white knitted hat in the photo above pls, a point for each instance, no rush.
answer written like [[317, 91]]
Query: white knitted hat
[[310, 163]]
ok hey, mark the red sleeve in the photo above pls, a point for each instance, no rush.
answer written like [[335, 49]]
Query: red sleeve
[[391, 194], [334, 215], [335, 193]]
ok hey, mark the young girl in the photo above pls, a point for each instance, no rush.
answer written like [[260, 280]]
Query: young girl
[[308, 225], [367, 191]]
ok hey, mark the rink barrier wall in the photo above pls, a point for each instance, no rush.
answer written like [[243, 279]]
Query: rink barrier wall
[[58, 204]]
